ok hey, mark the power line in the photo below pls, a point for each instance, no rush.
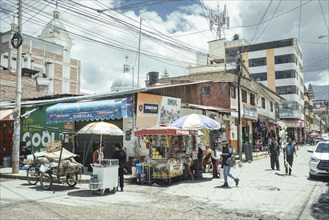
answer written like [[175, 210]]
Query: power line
[[324, 17]]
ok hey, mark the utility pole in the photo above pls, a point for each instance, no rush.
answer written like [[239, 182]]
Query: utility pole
[[139, 50], [239, 72], [17, 112]]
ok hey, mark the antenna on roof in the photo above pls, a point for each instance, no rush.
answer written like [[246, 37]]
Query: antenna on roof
[[219, 21]]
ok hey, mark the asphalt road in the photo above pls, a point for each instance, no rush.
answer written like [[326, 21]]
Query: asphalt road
[[262, 194]]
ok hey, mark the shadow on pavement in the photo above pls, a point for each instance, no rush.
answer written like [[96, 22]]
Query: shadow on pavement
[[320, 210], [54, 188], [319, 179], [221, 187], [88, 193]]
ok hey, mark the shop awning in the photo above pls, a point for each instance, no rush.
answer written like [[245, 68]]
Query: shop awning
[[159, 130], [6, 114], [90, 111]]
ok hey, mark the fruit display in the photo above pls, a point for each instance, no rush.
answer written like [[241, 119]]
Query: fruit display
[[155, 154]]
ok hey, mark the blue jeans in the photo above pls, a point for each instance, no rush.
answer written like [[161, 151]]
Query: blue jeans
[[227, 173]]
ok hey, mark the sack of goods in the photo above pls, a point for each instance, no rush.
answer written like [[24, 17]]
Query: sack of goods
[[53, 146], [231, 161]]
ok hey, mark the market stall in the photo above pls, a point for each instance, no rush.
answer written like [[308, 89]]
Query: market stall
[[169, 148]]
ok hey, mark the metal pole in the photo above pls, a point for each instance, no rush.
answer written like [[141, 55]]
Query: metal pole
[[239, 108], [17, 112], [139, 50]]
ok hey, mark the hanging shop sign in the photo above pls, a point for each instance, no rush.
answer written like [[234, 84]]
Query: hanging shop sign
[[249, 112]]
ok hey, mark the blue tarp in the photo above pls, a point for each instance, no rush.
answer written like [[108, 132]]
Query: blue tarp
[[90, 111]]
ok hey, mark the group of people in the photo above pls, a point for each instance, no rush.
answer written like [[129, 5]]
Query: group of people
[[220, 158], [118, 154], [289, 150]]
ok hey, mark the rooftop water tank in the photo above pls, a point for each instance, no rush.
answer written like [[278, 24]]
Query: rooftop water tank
[[153, 77]]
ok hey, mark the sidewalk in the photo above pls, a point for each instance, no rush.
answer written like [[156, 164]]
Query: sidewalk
[[6, 172]]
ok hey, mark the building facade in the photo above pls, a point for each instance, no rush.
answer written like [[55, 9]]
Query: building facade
[[276, 64], [46, 62]]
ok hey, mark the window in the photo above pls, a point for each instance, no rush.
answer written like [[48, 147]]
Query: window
[[263, 102], [259, 76], [271, 106], [284, 90], [252, 99], [206, 90], [285, 74], [269, 45], [244, 96], [257, 62], [232, 92], [288, 58]]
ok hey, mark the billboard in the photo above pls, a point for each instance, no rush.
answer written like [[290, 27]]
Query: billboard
[[154, 110], [36, 139], [320, 106]]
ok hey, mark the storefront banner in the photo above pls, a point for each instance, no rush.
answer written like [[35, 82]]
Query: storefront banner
[[154, 110], [249, 112], [295, 124], [90, 111]]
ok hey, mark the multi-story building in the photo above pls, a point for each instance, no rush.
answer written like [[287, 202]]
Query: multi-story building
[[276, 64], [47, 66]]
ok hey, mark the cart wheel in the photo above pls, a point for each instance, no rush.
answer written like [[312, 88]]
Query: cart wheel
[[114, 189], [46, 180], [72, 179], [102, 192], [32, 175]]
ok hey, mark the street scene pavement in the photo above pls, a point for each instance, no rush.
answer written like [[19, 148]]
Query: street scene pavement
[[263, 193]]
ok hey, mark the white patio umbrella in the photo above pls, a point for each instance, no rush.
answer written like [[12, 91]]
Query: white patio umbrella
[[101, 128]]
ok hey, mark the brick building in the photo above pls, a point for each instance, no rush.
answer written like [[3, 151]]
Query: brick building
[[47, 66]]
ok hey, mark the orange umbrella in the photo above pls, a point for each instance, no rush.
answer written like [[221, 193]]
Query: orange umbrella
[[314, 134]]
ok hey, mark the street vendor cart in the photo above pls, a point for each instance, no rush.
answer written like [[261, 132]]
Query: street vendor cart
[[169, 148], [105, 176]]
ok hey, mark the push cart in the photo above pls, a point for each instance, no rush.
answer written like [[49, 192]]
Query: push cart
[[105, 176]]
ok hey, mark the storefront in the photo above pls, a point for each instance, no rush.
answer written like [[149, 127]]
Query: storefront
[[295, 129]]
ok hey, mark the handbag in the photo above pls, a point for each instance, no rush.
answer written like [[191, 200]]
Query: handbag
[[231, 161]]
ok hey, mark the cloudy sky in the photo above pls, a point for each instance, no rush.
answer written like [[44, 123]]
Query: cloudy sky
[[173, 32]]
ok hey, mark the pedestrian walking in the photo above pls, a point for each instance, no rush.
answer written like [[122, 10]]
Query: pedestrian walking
[[274, 152], [215, 160], [121, 155], [207, 158], [227, 153], [288, 154]]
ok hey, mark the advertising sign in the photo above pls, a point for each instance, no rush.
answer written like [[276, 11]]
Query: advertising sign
[[320, 105], [37, 138], [153, 110]]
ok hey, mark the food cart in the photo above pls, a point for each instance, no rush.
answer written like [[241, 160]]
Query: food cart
[[105, 176], [169, 148]]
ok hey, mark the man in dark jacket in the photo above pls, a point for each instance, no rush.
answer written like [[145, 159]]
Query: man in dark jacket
[[120, 154], [289, 150], [274, 152]]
